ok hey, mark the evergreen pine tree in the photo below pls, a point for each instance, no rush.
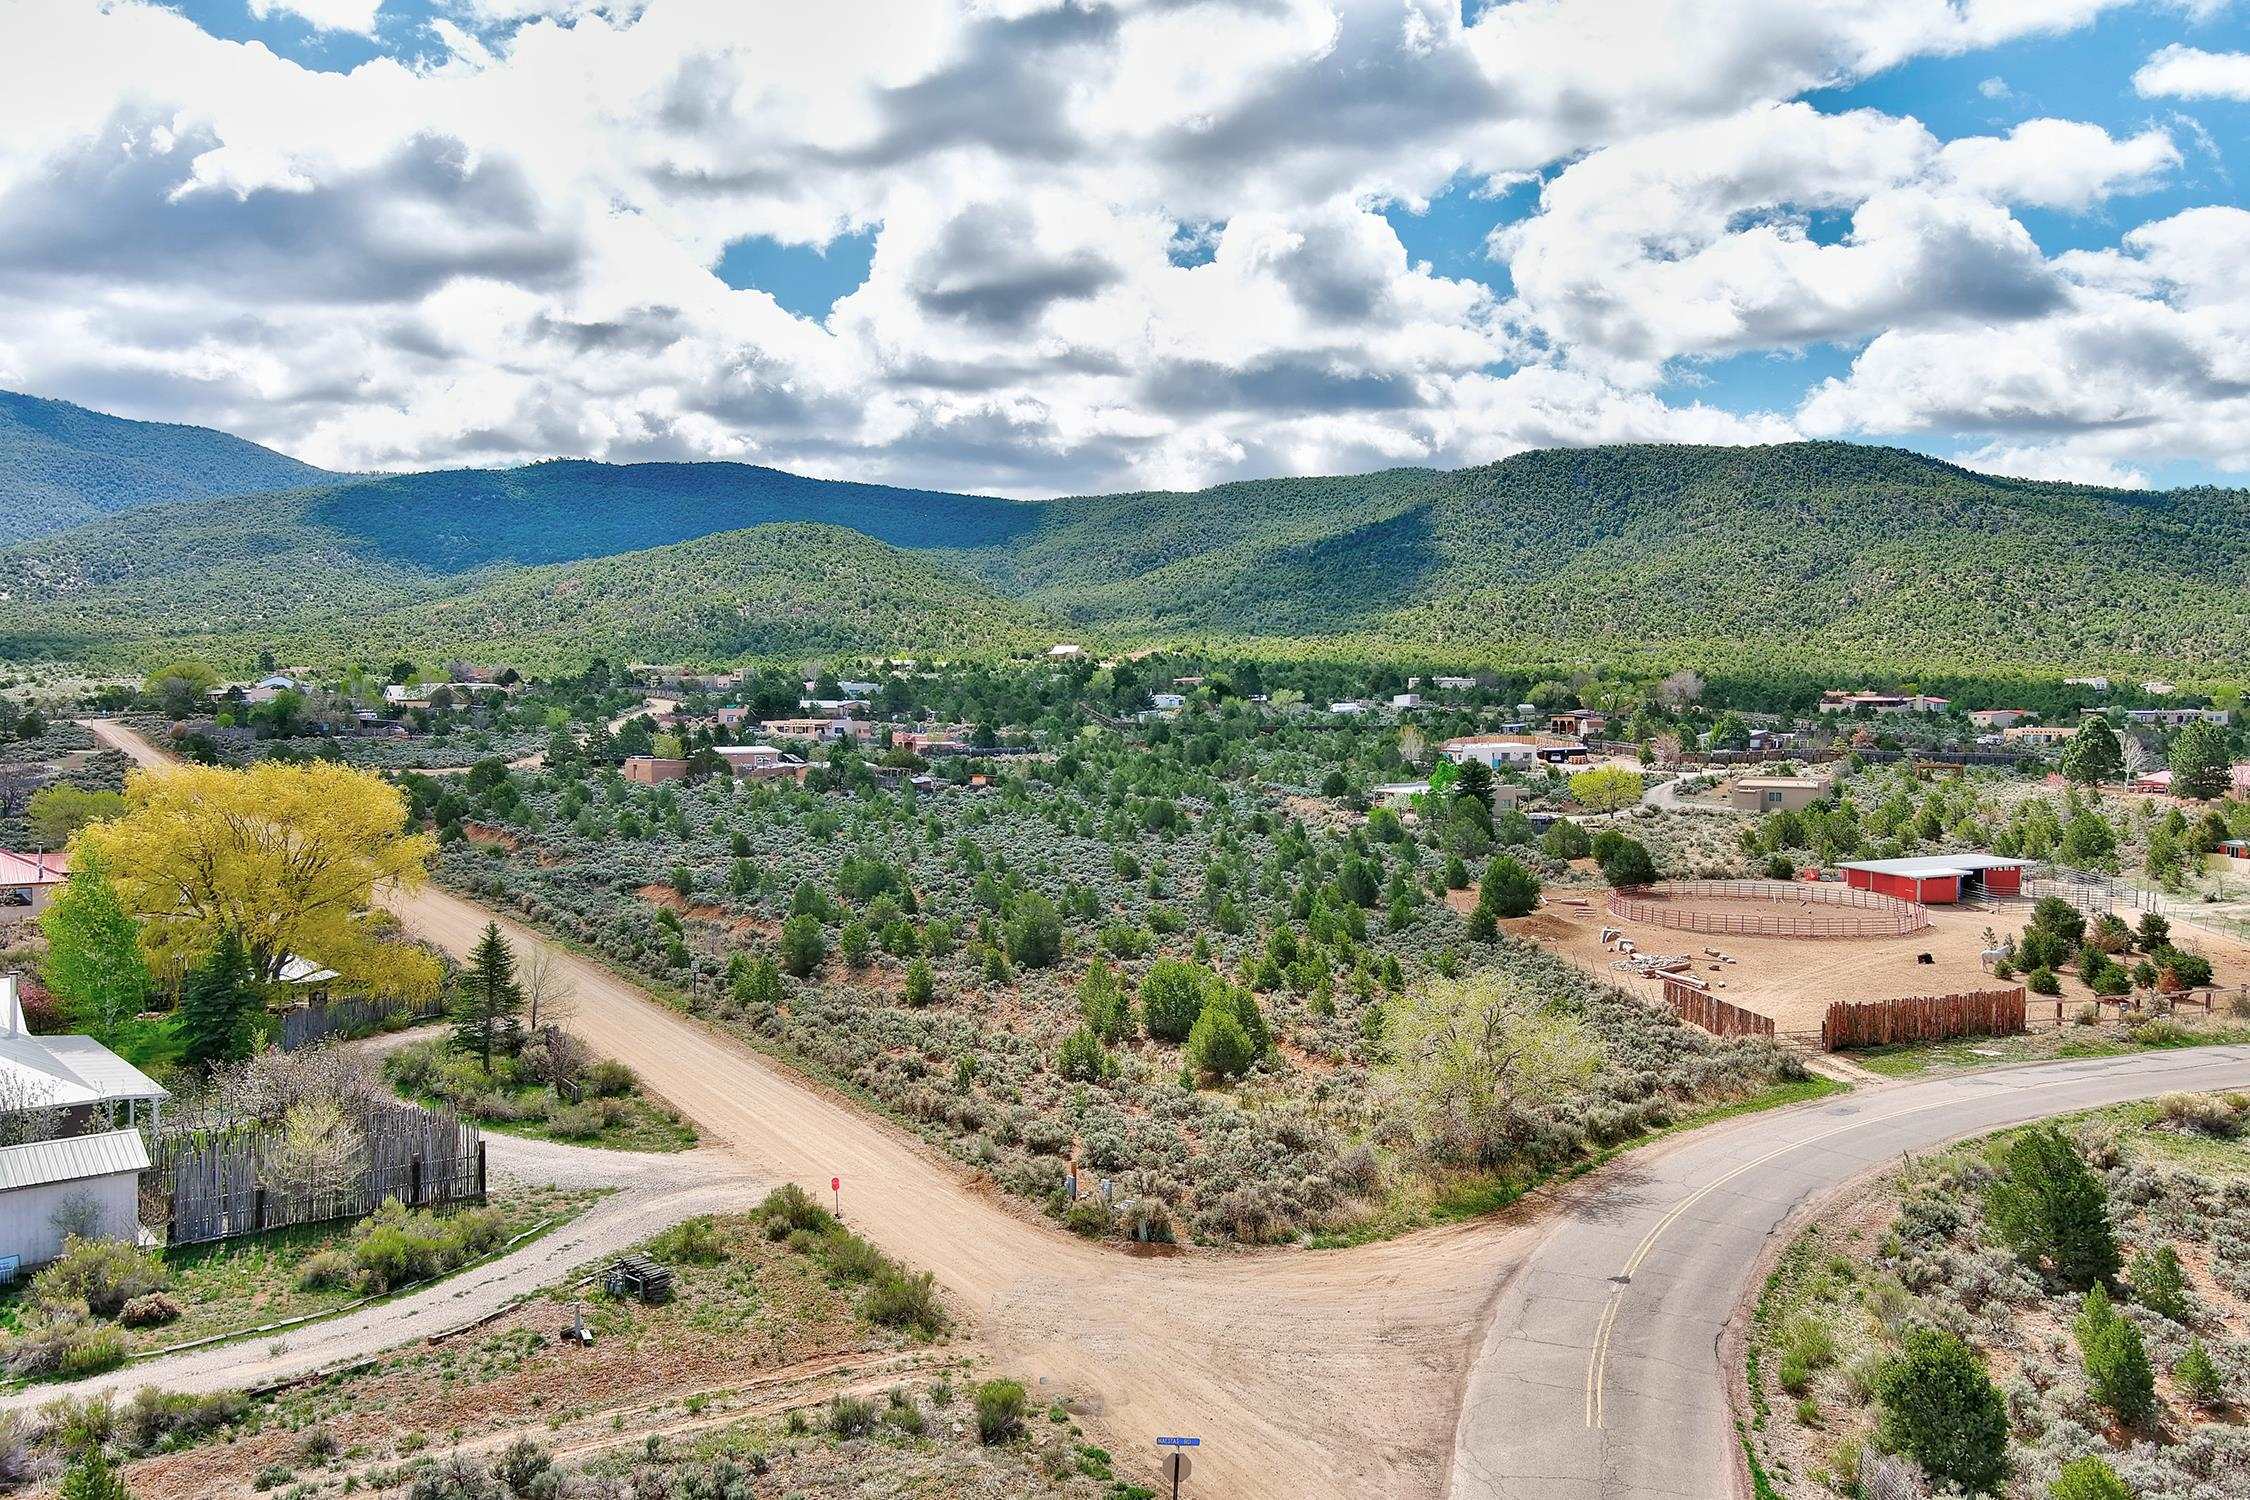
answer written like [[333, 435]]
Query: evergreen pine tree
[[2201, 762], [2117, 1368], [216, 1005], [488, 999], [2093, 754], [2049, 1206], [1941, 1410]]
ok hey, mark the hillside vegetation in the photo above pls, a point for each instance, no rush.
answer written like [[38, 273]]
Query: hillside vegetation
[[784, 590], [62, 465], [1823, 555]]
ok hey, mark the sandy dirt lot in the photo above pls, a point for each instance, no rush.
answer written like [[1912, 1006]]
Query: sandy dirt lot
[[1794, 980]]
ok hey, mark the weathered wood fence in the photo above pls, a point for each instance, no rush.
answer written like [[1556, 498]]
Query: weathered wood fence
[[1923, 1018], [310, 1025], [246, 1181], [1699, 1007]]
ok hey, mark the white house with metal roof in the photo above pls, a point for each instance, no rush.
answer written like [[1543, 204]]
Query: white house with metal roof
[[85, 1175]]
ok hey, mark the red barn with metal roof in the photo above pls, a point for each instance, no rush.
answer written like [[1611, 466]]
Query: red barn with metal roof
[[1939, 880]]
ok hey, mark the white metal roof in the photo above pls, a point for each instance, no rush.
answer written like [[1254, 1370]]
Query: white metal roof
[[43, 1072], [1938, 864], [295, 970], [103, 1070], [72, 1159]]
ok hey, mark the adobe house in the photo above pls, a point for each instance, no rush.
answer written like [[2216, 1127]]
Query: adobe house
[[1767, 794]]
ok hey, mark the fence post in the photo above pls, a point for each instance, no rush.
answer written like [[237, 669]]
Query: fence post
[[414, 1182], [480, 1169], [258, 1208]]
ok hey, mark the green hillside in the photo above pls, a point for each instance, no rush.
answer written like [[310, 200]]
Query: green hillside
[[1822, 555], [778, 591], [62, 465], [1828, 552]]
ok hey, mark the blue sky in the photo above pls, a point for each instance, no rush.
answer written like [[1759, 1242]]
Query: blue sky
[[1106, 243]]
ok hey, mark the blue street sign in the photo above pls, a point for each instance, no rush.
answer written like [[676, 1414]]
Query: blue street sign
[[1179, 1442]]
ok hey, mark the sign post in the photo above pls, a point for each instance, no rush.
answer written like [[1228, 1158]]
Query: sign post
[[1176, 1465], [836, 1186]]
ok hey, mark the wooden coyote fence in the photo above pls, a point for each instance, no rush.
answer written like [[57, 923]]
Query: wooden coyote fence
[[219, 1185], [1698, 1007], [309, 1025], [1923, 1018], [1800, 909]]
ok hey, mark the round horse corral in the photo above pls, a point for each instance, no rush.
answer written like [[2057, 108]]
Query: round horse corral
[[1768, 908]]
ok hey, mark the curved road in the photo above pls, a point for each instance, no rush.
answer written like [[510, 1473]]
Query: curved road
[[1343, 1373], [1600, 1374], [653, 1192]]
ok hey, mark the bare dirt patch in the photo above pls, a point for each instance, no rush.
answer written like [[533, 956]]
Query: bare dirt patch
[[1794, 980]]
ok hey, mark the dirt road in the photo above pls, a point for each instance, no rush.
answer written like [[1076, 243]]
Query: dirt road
[[1335, 1373], [653, 1192]]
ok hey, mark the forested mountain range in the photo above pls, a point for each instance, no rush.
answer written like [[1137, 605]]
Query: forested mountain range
[[62, 465], [1814, 553]]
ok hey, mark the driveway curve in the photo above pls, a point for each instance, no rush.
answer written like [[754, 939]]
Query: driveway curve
[[1600, 1373], [653, 1193]]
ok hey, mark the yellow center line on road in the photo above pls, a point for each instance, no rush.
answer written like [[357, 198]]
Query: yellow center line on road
[[1597, 1361]]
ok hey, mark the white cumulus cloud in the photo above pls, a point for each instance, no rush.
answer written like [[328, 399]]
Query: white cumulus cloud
[[2181, 72], [511, 253]]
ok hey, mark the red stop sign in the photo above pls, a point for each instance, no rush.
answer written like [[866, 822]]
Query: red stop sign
[[835, 1184]]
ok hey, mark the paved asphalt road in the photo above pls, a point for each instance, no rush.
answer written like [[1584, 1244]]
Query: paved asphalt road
[[1600, 1373]]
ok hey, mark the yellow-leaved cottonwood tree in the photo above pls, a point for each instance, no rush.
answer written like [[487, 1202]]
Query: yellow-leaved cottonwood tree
[[287, 856]]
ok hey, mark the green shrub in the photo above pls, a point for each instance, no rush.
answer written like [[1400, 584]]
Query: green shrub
[[91, 1476], [904, 1299], [1000, 1410], [1217, 1043], [1173, 996], [326, 1271], [1103, 1004], [803, 945], [395, 1246], [850, 1417], [691, 1242], [1508, 888], [2088, 1478], [574, 1122], [2198, 1375], [607, 1078], [1940, 1409], [851, 1258], [153, 1417], [1627, 863], [789, 1207], [102, 1274], [2159, 1284], [2043, 981], [64, 1346], [1083, 1059], [2117, 1369]]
